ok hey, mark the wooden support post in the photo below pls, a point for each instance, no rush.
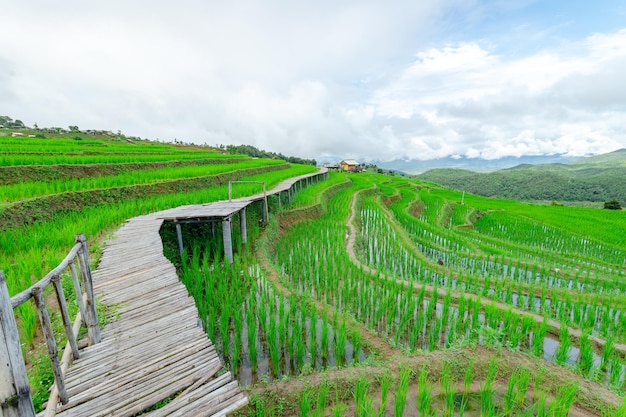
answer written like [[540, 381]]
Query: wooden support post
[[44, 318], [279, 202], [264, 216], [65, 315], [179, 236], [93, 329], [228, 241], [78, 291], [266, 206], [243, 226], [15, 399]]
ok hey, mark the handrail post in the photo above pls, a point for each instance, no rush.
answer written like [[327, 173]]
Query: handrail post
[[67, 322], [78, 291], [44, 318], [15, 399], [91, 319]]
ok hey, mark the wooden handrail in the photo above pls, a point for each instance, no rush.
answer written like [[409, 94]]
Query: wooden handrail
[[15, 397]]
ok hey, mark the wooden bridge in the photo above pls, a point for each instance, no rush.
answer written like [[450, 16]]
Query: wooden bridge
[[155, 349]]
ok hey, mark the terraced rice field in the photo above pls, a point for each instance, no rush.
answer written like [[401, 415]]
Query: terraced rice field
[[365, 295]]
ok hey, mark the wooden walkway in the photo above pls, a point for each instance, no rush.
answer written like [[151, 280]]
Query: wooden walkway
[[155, 347]]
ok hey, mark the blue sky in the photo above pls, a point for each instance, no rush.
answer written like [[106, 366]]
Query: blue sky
[[361, 79]]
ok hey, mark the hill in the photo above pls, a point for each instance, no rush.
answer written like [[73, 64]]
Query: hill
[[597, 178]]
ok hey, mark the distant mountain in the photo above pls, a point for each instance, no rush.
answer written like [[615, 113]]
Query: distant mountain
[[596, 178], [414, 166]]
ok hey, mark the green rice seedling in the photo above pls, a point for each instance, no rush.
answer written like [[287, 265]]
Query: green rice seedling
[[615, 373], [313, 327], [487, 403], [312, 340], [385, 382], [538, 337], [339, 410], [356, 345], [564, 400], [236, 355], [469, 377], [617, 412], [539, 375], [401, 392], [607, 352], [509, 395], [341, 333], [272, 342], [301, 348], [324, 342], [543, 409], [447, 390], [561, 354], [523, 382], [224, 332], [322, 396], [451, 338], [252, 336], [305, 403], [424, 394], [586, 354], [362, 399]]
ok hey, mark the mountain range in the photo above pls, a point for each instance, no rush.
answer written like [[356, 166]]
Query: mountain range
[[596, 178], [415, 167]]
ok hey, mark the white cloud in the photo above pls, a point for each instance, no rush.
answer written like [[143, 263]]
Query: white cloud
[[478, 103], [364, 79]]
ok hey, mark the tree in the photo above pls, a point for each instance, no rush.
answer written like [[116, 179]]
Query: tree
[[612, 205], [73, 128]]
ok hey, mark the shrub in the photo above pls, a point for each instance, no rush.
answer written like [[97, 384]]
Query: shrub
[[612, 205]]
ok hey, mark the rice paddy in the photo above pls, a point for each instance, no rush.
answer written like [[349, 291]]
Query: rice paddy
[[368, 295]]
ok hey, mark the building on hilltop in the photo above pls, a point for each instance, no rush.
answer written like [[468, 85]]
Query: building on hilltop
[[350, 165]]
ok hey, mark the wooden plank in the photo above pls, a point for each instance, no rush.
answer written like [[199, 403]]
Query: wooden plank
[[154, 349]]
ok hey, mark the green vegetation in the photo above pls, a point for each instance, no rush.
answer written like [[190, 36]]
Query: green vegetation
[[36, 233], [365, 294], [522, 281], [596, 179], [257, 153]]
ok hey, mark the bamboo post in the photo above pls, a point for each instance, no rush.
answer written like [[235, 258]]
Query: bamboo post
[[228, 242], [266, 214], [244, 229], [67, 322], [15, 399], [78, 291], [93, 330], [179, 236], [44, 318]]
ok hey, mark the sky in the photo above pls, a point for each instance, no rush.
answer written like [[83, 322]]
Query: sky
[[368, 80]]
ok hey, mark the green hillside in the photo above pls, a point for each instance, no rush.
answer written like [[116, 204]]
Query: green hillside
[[598, 178]]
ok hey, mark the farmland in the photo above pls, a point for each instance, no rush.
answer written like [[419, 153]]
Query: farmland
[[365, 295], [489, 307]]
